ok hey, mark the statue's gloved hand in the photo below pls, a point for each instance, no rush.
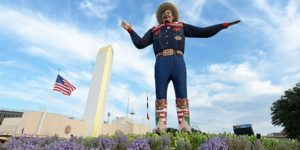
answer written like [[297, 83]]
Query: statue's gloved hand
[[234, 22], [126, 26]]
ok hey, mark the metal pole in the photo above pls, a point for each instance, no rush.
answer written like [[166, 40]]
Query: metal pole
[[45, 110]]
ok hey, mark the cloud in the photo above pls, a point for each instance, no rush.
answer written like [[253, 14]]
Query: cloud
[[97, 8], [275, 35], [64, 44], [282, 39], [47, 38], [192, 11], [223, 81], [8, 63]]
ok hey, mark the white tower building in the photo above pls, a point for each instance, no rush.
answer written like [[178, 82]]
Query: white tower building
[[95, 104]]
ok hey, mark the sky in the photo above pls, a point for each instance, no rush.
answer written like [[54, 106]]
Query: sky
[[233, 77]]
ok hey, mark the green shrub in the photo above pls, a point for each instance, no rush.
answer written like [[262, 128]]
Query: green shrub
[[257, 145], [183, 145], [287, 145], [269, 143], [164, 142], [197, 139], [90, 142], [238, 143]]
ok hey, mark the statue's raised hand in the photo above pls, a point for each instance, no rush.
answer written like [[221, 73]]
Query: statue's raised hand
[[126, 26], [234, 22]]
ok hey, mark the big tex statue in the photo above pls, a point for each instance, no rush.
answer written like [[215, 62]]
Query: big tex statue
[[168, 40]]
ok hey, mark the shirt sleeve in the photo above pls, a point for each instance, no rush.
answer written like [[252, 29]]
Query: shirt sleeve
[[139, 42], [193, 31]]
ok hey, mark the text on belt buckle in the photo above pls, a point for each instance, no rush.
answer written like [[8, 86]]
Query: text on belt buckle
[[168, 52]]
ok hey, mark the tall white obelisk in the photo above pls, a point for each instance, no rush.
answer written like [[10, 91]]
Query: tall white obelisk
[[94, 109]]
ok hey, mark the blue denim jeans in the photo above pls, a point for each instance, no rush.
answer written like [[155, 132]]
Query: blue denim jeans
[[170, 68]]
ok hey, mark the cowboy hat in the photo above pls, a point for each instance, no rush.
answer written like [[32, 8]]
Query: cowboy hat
[[166, 6]]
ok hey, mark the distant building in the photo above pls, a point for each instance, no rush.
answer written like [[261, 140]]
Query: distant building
[[43, 124], [276, 135], [50, 124], [243, 129], [124, 125], [9, 114]]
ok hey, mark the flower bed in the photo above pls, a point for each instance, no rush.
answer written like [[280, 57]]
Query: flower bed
[[177, 140]]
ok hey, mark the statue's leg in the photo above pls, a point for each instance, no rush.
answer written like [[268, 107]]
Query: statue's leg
[[183, 113], [180, 85], [162, 79], [161, 115]]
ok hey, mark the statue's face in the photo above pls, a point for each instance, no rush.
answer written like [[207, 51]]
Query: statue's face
[[167, 16]]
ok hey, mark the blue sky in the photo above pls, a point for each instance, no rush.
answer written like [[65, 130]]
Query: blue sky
[[233, 77]]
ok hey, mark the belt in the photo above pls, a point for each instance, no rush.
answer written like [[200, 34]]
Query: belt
[[169, 52]]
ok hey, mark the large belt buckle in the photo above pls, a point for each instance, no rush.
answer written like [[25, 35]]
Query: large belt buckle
[[168, 52]]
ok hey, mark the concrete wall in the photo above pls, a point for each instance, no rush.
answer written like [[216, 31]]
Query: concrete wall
[[140, 128], [9, 125], [78, 128], [52, 124], [110, 129], [125, 125], [29, 123], [55, 124]]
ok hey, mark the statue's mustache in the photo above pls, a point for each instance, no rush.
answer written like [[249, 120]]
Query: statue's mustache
[[166, 17]]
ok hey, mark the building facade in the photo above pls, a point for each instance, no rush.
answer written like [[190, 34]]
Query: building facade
[[125, 125], [9, 114], [43, 124]]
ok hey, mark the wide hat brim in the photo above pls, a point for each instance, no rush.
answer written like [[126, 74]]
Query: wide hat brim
[[166, 6]]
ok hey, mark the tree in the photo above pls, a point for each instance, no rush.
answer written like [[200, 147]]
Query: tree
[[286, 112]]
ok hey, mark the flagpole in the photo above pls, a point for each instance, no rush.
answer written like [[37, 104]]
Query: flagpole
[[149, 124], [41, 122], [148, 118], [44, 114], [44, 111]]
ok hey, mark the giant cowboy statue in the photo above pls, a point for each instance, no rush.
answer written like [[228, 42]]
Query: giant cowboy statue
[[168, 40]]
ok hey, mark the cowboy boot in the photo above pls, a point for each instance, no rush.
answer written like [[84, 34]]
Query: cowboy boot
[[160, 115], [183, 113]]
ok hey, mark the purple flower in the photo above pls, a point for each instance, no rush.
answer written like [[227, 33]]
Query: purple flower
[[23, 142], [122, 141], [107, 143], [164, 142], [64, 145], [139, 144], [214, 144], [182, 144]]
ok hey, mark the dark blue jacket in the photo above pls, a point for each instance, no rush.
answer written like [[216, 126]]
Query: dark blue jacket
[[172, 35]]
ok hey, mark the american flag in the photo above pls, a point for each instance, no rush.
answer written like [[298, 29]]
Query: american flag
[[63, 86]]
